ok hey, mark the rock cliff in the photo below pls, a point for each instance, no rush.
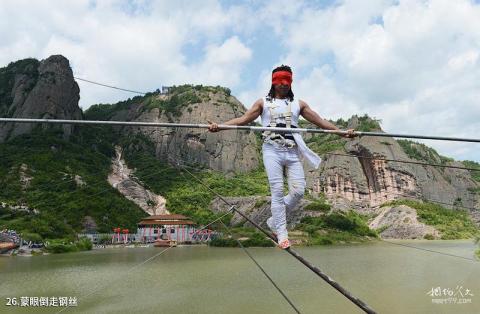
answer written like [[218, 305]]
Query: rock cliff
[[38, 89], [363, 182]]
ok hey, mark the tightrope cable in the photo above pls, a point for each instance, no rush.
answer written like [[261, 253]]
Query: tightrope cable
[[362, 305], [232, 208], [237, 127]]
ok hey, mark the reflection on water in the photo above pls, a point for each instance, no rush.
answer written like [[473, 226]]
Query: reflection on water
[[199, 279]]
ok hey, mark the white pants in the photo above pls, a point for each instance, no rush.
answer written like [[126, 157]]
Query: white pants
[[275, 158]]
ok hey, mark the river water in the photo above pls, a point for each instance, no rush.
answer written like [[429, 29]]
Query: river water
[[199, 279]]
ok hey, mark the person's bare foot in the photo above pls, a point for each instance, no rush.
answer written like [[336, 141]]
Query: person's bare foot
[[284, 244]]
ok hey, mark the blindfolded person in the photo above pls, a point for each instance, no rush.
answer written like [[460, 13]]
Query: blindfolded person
[[283, 150]]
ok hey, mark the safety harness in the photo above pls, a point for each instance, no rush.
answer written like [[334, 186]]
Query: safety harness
[[277, 138]]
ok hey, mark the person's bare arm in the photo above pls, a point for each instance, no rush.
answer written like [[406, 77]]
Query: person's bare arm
[[310, 115], [251, 114]]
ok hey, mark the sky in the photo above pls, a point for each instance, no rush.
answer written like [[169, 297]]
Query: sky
[[413, 64]]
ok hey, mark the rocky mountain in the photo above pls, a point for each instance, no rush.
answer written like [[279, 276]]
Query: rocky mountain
[[365, 181], [228, 152], [38, 89]]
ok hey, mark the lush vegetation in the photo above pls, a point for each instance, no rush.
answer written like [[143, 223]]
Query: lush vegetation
[[187, 196], [181, 96], [61, 201], [336, 227], [475, 165], [178, 97], [246, 236], [367, 124], [174, 103], [319, 204], [325, 143], [65, 245], [54, 165], [452, 223], [209, 89], [422, 152], [107, 111]]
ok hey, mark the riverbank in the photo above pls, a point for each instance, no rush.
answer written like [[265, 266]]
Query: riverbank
[[299, 239]]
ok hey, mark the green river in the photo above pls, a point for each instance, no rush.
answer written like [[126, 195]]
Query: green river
[[201, 279]]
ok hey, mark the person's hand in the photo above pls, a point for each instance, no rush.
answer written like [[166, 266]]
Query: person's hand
[[350, 133], [213, 127]]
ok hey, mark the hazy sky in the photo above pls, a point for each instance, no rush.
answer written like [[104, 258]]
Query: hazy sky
[[414, 64]]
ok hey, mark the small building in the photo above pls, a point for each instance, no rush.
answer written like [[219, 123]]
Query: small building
[[165, 90], [167, 227]]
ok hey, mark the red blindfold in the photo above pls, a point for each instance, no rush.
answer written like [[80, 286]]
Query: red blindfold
[[282, 77]]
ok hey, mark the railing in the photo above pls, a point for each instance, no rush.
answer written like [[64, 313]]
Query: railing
[[115, 238]]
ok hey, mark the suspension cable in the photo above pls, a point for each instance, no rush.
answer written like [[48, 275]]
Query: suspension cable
[[109, 86], [429, 250]]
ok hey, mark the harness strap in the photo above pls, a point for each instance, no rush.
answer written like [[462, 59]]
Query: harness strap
[[288, 115], [274, 116], [271, 107]]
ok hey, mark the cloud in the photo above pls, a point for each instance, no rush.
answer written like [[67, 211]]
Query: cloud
[[412, 64], [133, 44], [223, 64]]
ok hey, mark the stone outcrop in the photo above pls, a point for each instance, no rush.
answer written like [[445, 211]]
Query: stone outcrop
[[121, 178], [33, 89], [400, 222], [364, 183]]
